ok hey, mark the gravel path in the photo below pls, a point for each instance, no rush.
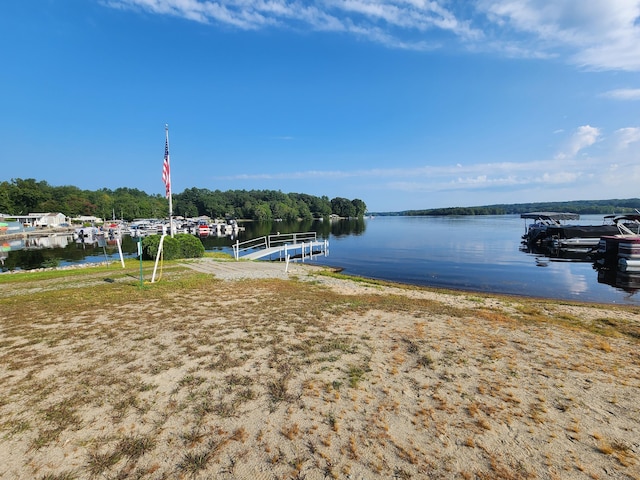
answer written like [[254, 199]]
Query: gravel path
[[249, 269]]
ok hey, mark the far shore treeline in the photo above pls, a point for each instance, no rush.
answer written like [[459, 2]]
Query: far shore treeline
[[582, 207], [23, 196]]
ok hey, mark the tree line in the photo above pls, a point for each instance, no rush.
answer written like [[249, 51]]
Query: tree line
[[582, 207], [23, 196]]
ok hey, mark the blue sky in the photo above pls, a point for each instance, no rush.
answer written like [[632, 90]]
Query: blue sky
[[405, 104]]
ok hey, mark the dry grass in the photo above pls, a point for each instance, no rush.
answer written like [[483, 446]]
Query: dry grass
[[327, 378]]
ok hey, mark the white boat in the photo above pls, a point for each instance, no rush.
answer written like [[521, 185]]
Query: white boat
[[142, 229], [85, 234], [623, 248]]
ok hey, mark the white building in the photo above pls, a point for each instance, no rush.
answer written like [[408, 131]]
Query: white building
[[40, 219], [50, 220]]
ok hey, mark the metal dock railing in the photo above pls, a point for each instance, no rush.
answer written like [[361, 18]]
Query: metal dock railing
[[281, 246]]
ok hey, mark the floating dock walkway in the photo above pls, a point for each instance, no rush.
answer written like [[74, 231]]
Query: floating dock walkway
[[281, 247]]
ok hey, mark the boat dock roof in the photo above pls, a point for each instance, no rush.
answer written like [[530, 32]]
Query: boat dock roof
[[551, 215]]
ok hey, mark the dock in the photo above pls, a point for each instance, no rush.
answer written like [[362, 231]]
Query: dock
[[281, 247]]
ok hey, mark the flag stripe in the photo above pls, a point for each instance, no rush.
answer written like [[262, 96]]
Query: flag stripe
[[166, 172]]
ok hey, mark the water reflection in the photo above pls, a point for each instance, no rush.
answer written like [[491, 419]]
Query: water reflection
[[629, 282], [91, 245], [609, 271], [323, 229], [560, 254], [61, 250]]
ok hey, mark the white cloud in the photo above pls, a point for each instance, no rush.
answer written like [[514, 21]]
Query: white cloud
[[626, 136], [559, 177], [584, 137], [624, 94], [597, 34]]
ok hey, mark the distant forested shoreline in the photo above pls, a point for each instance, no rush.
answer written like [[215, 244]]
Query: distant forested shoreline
[[582, 207], [24, 196]]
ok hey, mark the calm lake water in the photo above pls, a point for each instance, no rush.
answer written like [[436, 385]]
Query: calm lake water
[[475, 253]]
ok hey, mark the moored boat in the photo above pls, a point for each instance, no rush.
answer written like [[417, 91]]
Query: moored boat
[[623, 248], [536, 232], [203, 229], [549, 230]]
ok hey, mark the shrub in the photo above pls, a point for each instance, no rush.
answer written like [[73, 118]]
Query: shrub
[[190, 246], [150, 246], [50, 263], [182, 245], [170, 247]]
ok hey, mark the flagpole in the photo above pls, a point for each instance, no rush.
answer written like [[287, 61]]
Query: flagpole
[[166, 130]]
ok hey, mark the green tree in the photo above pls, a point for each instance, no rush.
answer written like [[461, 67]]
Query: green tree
[[343, 207], [28, 195], [6, 205], [262, 213], [360, 207]]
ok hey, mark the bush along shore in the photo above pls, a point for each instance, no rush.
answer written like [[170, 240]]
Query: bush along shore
[[250, 372]]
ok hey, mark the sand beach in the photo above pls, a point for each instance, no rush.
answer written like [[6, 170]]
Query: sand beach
[[242, 370]]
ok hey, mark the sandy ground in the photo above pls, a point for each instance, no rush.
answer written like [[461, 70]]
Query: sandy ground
[[289, 375]]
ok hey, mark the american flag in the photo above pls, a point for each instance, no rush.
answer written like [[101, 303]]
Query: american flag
[[166, 172]]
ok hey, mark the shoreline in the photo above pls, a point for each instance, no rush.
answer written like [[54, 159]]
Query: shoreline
[[275, 269]]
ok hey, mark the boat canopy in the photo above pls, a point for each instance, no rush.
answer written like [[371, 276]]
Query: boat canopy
[[626, 218], [550, 216]]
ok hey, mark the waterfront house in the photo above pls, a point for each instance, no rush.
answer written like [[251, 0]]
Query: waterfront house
[[51, 220]]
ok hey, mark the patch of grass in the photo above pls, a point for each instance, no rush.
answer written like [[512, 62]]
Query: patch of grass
[[355, 374], [16, 427], [425, 360], [619, 449], [225, 409], [59, 476], [219, 255], [340, 344], [332, 421], [98, 463], [58, 417], [193, 462], [133, 447], [277, 390]]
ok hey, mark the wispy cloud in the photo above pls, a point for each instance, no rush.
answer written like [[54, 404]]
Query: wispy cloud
[[584, 137], [627, 136], [623, 94], [598, 34], [567, 170]]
